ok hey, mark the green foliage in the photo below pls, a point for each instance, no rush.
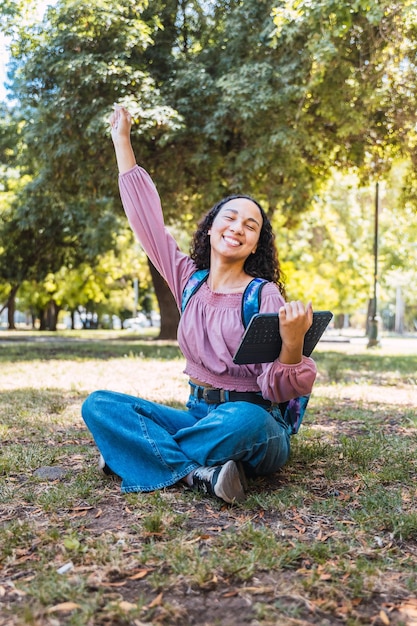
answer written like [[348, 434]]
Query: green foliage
[[273, 99], [359, 57], [68, 74], [103, 286]]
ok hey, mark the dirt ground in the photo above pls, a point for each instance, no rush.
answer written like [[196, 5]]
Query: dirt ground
[[221, 601]]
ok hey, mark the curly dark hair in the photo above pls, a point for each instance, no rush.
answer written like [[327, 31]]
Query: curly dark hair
[[263, 263]]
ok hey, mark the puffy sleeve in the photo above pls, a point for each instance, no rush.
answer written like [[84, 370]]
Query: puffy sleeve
[[278, 381], [143, 209]]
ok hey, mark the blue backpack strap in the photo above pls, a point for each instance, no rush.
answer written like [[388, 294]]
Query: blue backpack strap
[[251, 301], [193, 284], [293, 412]]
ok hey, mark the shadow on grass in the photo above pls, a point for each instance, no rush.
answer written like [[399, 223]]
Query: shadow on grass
[[344, 367], [65, 348]]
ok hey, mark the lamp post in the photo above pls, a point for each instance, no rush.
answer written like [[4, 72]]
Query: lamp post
[[373, 321]]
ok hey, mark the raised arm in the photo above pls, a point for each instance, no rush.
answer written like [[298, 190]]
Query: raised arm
[[121, 122], [143, 209]]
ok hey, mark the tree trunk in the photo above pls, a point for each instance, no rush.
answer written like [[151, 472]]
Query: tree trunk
[[167, 306], [11, 307], [49, 316]]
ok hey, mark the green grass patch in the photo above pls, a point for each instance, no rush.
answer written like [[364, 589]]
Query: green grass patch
[[328, 540]]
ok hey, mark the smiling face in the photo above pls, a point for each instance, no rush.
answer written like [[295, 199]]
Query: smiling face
[[235, 231]]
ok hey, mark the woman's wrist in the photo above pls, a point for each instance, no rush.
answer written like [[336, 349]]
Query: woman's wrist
[[125, 160], [122, 143], [290, 355]]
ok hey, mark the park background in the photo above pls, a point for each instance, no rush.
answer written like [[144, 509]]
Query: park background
[[310, 107]]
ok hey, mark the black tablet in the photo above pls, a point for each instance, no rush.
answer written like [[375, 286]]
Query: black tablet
[[261, 342]]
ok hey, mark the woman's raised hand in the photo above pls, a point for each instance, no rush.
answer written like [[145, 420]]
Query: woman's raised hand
[[121, 123]]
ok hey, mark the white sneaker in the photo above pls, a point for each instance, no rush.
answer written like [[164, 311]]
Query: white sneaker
[[102, 465], [223, 481]]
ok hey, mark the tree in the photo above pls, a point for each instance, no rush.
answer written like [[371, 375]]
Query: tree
[[66, 77], [105, 288], [296, 89], [232, 95]]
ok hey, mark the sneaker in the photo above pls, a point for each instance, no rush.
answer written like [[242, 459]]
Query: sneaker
[[223, 481], [102, 465]]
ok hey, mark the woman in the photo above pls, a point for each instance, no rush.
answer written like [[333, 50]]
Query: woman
[[210, 445]]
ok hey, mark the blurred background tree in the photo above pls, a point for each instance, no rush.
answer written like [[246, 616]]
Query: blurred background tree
[[303, 105]]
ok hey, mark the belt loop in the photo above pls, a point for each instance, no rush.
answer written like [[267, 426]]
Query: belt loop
[[224, 395]]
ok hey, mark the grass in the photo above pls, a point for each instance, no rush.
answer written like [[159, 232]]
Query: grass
[[332, 539]]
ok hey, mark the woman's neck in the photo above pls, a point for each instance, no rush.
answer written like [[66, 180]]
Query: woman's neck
[[228, 279]]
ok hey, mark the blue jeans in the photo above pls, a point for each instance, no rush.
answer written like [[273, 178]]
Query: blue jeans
[[151, 446]]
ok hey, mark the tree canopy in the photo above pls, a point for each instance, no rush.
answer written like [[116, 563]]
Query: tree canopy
[[264, 97]]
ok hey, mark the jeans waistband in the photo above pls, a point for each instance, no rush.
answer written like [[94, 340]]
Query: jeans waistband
[[218, 396]]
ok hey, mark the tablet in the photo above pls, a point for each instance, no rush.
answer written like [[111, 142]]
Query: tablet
[[262, 342]]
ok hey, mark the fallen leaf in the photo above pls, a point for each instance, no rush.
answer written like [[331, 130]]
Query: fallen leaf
[[409, 609], [300, 529], [208, 584], [18, 592], [127, 606], [28, 557], [384, 618], [63, 607], [141, 574], [156, 601], [258, 590], [81, 508]]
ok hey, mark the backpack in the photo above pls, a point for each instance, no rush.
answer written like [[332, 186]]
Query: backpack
[[292, 410]]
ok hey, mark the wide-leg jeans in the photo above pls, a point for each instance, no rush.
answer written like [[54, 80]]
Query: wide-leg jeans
[[151, 446]]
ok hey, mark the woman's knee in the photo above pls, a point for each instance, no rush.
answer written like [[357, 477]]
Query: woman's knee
[[90, 409]]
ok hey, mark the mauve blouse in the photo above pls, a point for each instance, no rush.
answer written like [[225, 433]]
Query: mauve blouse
[[211, 327]]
